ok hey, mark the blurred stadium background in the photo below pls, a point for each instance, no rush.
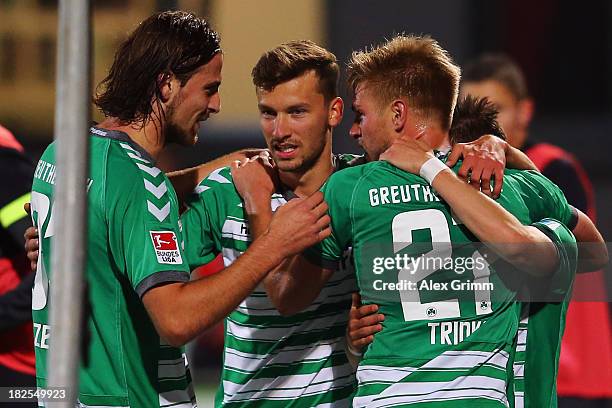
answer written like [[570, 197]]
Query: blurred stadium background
[[565, 49]]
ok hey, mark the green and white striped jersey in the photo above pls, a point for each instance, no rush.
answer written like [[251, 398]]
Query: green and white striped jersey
[[133, 244], [451, 318], [271, 360]]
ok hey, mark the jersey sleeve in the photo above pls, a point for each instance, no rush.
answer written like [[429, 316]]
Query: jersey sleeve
[[143, 225], [201, 220], [337, 192], [567, 250], [545, 199]]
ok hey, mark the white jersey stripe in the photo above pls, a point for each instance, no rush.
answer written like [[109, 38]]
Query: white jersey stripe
[[331, 293], [181, 397], [159, 213], [468, 359], [157, 191], [382, 374], [235, 229], [152, 171], [285, 387], [438, 396], [168, 369], [126, 146], [448, 360], [275, 333], [246, 362], [201, 189], [137, 157], [216, 176], [519, 399]]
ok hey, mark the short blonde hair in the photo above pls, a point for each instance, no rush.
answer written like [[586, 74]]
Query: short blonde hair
[[413, 67]]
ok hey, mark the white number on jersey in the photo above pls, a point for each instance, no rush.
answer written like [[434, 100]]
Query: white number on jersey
[[403, 225], [41, 207]]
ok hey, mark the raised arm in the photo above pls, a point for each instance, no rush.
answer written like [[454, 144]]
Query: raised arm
[[185, 181], [489, 221], [592, 251], [296, 282], [181, 311]]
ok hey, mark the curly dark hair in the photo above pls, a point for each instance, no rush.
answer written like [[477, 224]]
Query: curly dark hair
[[167, 43], [473, 118]]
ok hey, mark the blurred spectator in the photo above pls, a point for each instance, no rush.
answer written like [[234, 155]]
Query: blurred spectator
[[17, 366], [585, 366]]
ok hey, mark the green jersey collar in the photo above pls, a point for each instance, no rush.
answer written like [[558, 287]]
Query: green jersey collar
[[122, 137]]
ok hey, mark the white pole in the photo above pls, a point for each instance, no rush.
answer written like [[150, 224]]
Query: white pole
[[68, 257]]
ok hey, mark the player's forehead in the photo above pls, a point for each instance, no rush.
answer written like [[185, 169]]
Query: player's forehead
[[362, 96], [207, 74], [494, 90], [303, 89]]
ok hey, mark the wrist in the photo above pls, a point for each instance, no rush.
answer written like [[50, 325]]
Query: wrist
[[271, 248], [257, 203], [238, 155], [508, 151], [431, 168], [352, 350], [259, 223]]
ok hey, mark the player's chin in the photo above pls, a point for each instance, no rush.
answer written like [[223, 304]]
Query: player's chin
[[195, 131], [189, 138], [288, 165]]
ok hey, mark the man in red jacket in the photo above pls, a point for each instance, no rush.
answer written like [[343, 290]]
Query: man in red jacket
[[585, 366], [16, 281]]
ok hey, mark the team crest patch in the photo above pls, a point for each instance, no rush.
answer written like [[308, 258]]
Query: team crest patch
[[166, 247]]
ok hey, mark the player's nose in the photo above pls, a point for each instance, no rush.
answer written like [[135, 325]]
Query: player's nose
[[281, 127], [214, 104], [355, 131]]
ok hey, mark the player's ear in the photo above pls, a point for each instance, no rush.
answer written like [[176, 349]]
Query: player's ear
[[399, 112], [166, 86], [336, 110], [526, 108]]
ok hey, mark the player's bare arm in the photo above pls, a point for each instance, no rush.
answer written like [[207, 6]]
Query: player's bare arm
[[290, 292], [516, 159], [185, 181], [296, 282], [593, 253], [591, 257], [31, 246], [489, 221], [181, 311], [364, 322]]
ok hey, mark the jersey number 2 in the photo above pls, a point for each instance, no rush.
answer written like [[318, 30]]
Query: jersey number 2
[[41, 210], [403, 225]]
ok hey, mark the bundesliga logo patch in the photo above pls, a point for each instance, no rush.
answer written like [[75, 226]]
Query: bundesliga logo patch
[[166, 247]]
